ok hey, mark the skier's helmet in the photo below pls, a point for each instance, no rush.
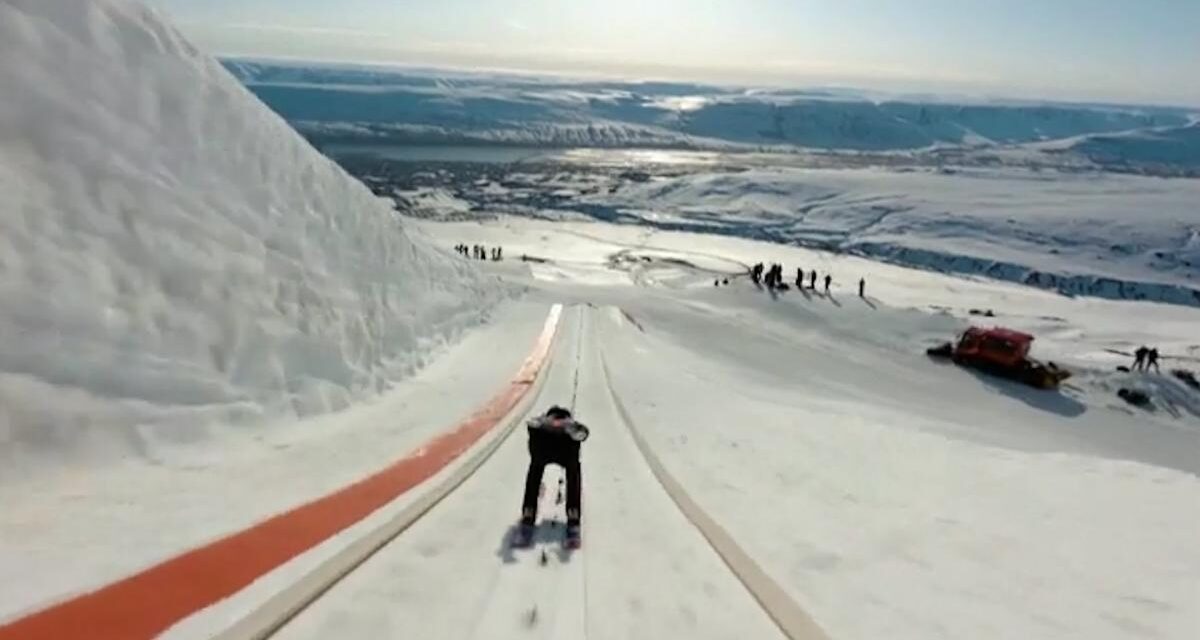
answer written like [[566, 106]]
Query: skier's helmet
[[558, 413]]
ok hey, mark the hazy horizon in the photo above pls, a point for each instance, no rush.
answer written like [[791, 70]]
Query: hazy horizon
[[1104, 51]]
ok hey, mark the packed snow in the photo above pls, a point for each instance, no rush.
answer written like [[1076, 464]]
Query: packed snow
[[174, 259], [893, 495]]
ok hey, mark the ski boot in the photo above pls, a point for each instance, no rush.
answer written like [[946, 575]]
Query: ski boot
[[573, 537], [523, 535]]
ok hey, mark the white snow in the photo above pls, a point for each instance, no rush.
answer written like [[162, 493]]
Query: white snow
[[1105, 235], [175, 260], [206, 323], [146, 509], [890, 494], [432, 202]]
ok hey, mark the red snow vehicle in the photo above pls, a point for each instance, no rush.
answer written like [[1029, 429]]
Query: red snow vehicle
[[1001, 352]]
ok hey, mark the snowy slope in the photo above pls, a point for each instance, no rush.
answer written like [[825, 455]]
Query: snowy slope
[[1175, 146], [1108, 236], [174, 257], [890, 495], [887, 494]]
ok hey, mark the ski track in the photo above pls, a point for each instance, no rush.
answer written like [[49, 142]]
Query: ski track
[[680, 584]]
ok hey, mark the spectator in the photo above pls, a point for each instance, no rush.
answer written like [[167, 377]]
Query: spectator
[[1139, 358], [1152, 360]]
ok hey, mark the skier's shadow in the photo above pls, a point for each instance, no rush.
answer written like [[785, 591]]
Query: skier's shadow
[[547, 533]]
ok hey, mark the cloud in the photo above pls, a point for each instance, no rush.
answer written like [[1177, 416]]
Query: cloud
[[516, 25]]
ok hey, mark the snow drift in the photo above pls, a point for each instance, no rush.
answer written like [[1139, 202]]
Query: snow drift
[[174, 257]]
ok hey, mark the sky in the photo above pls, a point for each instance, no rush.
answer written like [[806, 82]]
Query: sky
[[1133, 51]]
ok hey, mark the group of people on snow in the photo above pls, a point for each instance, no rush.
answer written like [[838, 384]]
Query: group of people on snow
[[772, 278], [1144, 358], [480, 252]]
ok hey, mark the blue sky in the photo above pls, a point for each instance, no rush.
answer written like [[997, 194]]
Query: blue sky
[[1118, 50]]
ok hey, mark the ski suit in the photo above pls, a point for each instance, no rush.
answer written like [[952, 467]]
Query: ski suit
[[554, 439]]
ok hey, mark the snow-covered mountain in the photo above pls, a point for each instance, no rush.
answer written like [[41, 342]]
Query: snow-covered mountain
[[377, 104], [1166, 147], [174, 257]]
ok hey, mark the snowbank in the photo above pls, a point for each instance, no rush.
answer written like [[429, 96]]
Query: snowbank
[[174, 257]]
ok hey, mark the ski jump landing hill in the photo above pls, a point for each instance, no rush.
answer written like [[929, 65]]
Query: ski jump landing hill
[[472, 465]]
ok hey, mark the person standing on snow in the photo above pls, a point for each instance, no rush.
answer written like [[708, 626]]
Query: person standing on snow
[[1152, 360], [1139, 358], [554, 438], [828, 281], [862, 287]]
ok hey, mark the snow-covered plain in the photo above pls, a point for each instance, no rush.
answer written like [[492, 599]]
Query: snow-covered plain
[[175, 259], [1102, 235], [1096, 234]]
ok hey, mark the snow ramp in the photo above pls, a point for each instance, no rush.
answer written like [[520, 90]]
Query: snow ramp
[[649, 567]]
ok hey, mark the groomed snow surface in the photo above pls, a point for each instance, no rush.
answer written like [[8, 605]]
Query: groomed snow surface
[[174, 259]]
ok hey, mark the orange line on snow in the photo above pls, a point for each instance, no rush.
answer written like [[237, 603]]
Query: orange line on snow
[[148, 603]]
